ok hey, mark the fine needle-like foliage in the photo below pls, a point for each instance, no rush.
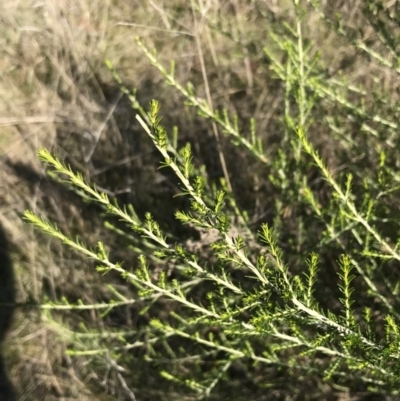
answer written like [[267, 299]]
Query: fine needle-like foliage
[[305, 296]]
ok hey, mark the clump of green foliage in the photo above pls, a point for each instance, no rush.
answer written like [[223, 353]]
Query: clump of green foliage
[[309, 296]]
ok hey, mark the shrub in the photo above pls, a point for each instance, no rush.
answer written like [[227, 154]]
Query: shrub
[[307, 297]]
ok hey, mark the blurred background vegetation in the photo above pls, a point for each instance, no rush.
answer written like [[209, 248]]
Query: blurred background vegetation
[[57, 93]]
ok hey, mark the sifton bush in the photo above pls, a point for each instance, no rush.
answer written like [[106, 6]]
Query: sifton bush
[[304, 300]]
